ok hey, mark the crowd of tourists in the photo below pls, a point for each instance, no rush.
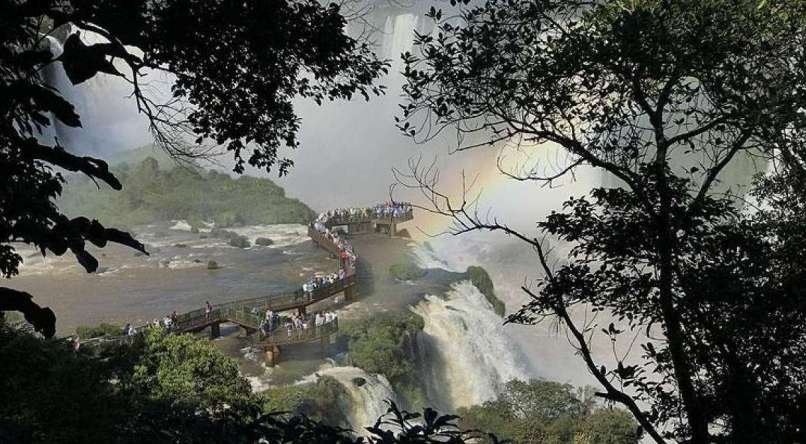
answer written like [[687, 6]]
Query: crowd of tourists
[[347, 257], [168, 322], [392, 209], [296, 323], [321, 281], [347, 215]]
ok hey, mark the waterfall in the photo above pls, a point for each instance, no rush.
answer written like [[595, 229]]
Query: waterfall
[[468, 353], [55, 77], [398, 37], [109, 117], [368, 394]]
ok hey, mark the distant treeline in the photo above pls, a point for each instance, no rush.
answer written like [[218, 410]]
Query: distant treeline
[[151, 194]]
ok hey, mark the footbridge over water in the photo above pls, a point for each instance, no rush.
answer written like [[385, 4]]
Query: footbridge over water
[[249, 313]]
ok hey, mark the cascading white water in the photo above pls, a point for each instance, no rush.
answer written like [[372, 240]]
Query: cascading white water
[[109, 117], [55, 77], [368, 394], [468, 353], [398, 37]]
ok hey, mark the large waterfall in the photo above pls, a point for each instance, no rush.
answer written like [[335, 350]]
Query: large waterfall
[[398, 36], [468, 355], [368, 394], [109, 118]]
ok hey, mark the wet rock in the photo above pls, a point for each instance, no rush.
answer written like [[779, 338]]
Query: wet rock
[[239, 241], [264, 241], [359, 381], [213, 265]]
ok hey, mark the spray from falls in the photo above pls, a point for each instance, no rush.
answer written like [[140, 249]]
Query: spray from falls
[[367, 394], [109, 117], [468, 354], [398, 37]]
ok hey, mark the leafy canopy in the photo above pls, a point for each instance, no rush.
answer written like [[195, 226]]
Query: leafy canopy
[[236, 67], [665, 97], [550, 412], [166, 389]]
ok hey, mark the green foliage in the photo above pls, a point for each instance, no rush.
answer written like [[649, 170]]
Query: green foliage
[[188, 373], [103, 329], [406, 271], [608, 426], [237, 70], [663, 99], [549, 412], [147, 393], [318, 400], [381, 344], [152, 194], [378, 344], [48, 393], [157, 390], [481, 280]]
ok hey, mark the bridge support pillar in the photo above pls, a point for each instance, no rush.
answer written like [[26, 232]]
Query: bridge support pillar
[[323, 343], [273, 355], [301, 310], [392, 229], [349, 294], [215, 331]]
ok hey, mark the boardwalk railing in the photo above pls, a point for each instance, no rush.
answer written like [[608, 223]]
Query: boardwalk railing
[[362, 218], [282, 336], [248, 312], [323, 241], [197, 319]]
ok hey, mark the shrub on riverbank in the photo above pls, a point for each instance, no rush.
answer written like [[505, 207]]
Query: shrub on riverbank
[[97, 331], [317, 400], [481, 280], [126, 394], [382, 344], [545, 411], [162, 386], [406, 271]]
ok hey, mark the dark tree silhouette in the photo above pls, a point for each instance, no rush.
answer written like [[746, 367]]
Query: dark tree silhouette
[[237, 66], [111, 393], [663, 95]]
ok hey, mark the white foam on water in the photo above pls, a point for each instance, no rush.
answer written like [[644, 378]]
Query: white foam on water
[[282, 235], [368, 394], [181, 225], [469, 354]]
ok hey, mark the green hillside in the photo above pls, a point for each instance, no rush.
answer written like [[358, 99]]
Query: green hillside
[[151, 194]]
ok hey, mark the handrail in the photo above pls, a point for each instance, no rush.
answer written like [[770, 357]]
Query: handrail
[[360, 218], [247, 312], [280, 335]]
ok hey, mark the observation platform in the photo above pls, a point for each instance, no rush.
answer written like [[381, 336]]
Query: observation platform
[[249, 313]]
